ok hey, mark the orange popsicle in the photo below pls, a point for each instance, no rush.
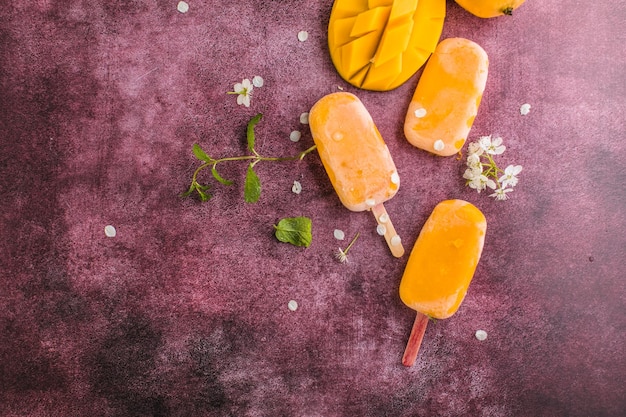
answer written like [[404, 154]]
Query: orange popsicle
[[447, 97], [441, 266], [356, 159]]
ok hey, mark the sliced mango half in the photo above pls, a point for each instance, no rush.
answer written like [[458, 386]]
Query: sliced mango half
[[379, 44]]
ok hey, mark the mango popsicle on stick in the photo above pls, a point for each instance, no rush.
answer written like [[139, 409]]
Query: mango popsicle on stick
[[447, 97], [441, 266], [356, 159]]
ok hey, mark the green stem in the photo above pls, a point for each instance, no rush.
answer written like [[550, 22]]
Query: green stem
[[194, 178], [259, 158], [256, 159]]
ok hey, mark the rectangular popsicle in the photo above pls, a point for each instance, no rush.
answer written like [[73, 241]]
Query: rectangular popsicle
[[441, 266], [356, 159], [447, 97]]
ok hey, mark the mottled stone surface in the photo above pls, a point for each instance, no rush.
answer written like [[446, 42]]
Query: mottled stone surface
[[185, 311]]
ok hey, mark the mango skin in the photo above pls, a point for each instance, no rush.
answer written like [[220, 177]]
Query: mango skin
[[444, 258], [490, 8], [379, 44]]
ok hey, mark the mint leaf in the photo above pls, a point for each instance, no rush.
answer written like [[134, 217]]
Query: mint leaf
[[200, 154], [294, 230], [219, 177], [250, 131], [252, 187]]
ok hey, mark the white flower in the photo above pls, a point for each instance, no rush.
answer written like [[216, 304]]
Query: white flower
[[482, 171], [510, 176], [500, 193], [470, 174], [474, 148], [473, 161], [244, 92], [492, 146], [477, 180], [341, 256]]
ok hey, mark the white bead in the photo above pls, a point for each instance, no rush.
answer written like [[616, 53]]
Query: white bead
[[295, 136], [419, 113], [110, 231], [182, 7], [258, 81], [303, 35]]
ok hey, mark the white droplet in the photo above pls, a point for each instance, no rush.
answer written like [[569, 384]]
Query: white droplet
[[295, 136], [339, 234], [384, 218], [304, 118], [439, 145], [292, 305], [337, 136], [258, 81], [296, 187], [481, 335], [303, 35], [182, 7], [395, 178], [370, 202], [396, 240], [419, 113], [381, 230], [110, 231], [525, 109]]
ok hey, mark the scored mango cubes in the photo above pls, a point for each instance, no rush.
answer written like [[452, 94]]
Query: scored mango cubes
[[379, 44]]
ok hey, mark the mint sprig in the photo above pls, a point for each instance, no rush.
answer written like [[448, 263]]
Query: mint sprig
[[252, 185], [294, 230]]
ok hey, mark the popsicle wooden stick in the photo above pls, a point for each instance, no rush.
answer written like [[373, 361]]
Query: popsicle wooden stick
[[385, 228], [415, 339]]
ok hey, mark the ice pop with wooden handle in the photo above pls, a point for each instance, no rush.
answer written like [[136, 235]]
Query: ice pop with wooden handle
[[356, 159], [441, 266]]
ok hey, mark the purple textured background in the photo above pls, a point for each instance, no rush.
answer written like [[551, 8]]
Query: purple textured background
[[184, 312]]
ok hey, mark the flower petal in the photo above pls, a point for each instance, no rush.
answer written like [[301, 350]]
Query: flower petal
[[258, 81]]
